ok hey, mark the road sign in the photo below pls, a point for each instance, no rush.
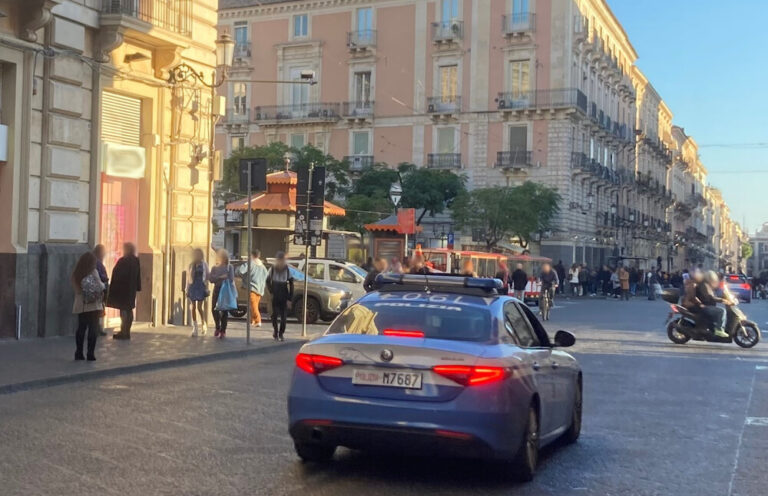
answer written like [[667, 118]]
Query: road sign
[[395, 193], [450, 241], [258, 169]]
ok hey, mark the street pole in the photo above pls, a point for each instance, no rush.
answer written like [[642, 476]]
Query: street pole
[[248, 255], [306, 252]]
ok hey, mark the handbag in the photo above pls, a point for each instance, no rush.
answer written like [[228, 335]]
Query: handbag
[[227, 297], [93, 289]]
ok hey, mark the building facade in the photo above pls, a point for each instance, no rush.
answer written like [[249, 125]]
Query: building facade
[[103, 148], [502, 91], [758, 262]]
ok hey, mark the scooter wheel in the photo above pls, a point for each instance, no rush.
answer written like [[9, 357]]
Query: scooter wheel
[[675, 335], [747, 335]]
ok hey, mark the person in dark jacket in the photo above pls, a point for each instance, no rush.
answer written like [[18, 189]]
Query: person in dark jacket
[[280, 285], [519, 282], [560, 271], [504, 276], [126, 282], [379, 266], [100, 252], [705, 293]]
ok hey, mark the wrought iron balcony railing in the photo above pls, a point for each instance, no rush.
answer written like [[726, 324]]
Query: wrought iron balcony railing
[[518, 22], [513, 159], [171, 15], [298, 112], [447, 30], [238, 115], [243, 50], [361, 39], [358, 163], [444, 160], [359, 109], [543, 99], [444, 104]]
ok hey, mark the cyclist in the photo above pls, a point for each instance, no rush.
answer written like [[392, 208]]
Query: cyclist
[[549, 283]]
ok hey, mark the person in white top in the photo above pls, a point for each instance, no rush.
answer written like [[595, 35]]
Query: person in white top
[[573, 279]]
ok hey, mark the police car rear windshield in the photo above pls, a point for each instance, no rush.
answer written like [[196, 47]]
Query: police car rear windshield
[[431, 316]]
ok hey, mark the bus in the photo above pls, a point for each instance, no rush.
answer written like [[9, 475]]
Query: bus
[[487, 264]]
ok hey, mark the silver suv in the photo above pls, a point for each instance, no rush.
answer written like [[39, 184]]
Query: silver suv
[[336, 272]]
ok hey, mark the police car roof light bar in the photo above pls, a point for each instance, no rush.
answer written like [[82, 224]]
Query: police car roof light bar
[[437, 280]]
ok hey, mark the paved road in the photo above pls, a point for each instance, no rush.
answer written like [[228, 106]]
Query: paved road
[[659, 420]]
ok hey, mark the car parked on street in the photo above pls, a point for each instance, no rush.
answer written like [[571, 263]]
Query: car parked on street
[[440, 366], [324, 301], [339, 272], [739, 286]]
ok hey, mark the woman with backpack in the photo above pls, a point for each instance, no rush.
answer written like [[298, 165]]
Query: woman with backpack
[[88, 305], [125, 283], [197, 290]]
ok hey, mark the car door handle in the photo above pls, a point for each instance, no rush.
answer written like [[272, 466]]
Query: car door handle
[[555, 365], [536, 366]]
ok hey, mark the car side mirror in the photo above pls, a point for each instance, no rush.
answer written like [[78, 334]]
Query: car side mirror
[[564, 339]]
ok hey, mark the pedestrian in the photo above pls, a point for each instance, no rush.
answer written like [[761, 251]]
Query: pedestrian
[[100, 252], [255, 284], [560, 271], [615, 283], [280, 285], [573, 279], [368, 265], [88, 305], [126, 282], [504, 276], [651, 280], [605, 281], [197, 291], [220, 273], [379, 267], [468, 268], [520, 281], [634, 278], [583, 280], [396, 267], [624, 281]]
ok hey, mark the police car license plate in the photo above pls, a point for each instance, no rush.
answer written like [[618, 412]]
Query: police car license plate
[[404, 379]]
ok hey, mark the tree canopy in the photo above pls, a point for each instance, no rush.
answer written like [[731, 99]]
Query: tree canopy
[[746, 250], [432, 190], [499, 213]]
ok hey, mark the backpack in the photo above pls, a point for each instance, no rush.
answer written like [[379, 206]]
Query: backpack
[[92, 288]]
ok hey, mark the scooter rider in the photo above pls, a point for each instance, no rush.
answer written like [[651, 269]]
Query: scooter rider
[[706, 295]]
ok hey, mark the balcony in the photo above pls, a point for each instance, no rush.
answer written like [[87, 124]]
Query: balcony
[[447, 31], [358, 163], [297, 114], [237, 115], [517, 23], [542, 100], [171, 15], [513, 159], [444, 160], [361, 40], [243, 50], [362, 110], [450, 104]]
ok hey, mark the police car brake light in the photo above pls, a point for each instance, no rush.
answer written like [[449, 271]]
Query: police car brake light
[[402, 333]]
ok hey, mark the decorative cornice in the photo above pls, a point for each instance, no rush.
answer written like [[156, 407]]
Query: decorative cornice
[[289, 7]]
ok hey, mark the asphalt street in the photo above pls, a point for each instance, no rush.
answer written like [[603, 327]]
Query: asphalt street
[[659, 419]]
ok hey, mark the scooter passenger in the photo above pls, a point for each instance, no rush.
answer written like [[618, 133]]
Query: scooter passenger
[[705, 292]]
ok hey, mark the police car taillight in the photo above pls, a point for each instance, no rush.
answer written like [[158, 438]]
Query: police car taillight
[[467, 375], [402, 333], [316, 364]]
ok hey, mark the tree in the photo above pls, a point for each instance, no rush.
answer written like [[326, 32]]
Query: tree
[[746, 250], [368, 199], [432, 190], [273, 152], [499, 213]]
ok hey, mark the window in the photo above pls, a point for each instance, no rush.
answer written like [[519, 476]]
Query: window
[[446, 140], [241, 37], [316, 271], [448, 83], [300, 26], [298, 141], [517, 325], [449, 10], [299, 92], [361, 143], [240, 98], [340, 274], [362, 89], [519, 78], [364, 20], [518, 138], [519, 7], [237, 143]]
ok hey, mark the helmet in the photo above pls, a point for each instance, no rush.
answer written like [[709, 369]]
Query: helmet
[[711, 277]]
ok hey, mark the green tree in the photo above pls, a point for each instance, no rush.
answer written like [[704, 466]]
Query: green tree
[[500, 212], [432, 190], [273, 152], [746, 250], [367, 200]]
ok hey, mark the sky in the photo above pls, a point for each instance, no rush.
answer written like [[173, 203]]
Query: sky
[[709, 62]]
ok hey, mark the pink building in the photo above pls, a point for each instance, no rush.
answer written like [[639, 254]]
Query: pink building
[[502, 91]]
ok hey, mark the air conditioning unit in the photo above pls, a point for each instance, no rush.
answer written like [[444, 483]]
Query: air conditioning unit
[[502, 104], [431, 107], [357, 163], [325, 113], [456, 28]]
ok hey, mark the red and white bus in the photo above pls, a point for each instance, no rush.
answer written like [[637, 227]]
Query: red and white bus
[[487, 264]]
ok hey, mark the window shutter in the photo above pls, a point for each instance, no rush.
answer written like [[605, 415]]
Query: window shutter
[[120, 119]]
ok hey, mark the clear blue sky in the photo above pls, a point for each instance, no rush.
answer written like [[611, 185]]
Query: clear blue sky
[[709, 62]]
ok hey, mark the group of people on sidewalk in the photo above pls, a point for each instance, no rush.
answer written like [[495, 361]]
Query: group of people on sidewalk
[[94, 291]]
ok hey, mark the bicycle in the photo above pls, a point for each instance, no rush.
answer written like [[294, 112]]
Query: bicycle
[[545, 303]]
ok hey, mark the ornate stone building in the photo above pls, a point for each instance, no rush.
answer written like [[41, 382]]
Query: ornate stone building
[[102, 148]]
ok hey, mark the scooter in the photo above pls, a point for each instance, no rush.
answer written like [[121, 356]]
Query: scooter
[[683, 325]]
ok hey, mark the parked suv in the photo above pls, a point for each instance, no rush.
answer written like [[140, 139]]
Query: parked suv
[[324, 301], [334, 271]]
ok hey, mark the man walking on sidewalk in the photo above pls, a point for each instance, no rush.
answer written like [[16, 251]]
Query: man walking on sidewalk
[[255, 283], [280, 284], [519, 281]]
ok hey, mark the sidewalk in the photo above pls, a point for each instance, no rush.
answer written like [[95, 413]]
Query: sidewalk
[[35, 363]]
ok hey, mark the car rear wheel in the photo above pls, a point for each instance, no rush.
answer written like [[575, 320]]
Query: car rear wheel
[[315, 452], [527, 456], [239, 313], [574, 431]]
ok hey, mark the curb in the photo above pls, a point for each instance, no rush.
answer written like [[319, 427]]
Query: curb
[[144, 367]]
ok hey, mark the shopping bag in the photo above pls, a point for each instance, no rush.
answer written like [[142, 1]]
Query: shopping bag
[[227, 297]]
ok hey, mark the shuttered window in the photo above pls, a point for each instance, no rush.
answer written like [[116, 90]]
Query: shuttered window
[[120, 119]]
